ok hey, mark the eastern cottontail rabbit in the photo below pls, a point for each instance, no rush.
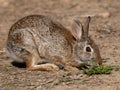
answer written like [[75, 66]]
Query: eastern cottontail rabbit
[[37, 38]]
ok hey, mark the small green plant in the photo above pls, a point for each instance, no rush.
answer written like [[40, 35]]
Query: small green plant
[[116, 68], [97, 70], [7, 68]]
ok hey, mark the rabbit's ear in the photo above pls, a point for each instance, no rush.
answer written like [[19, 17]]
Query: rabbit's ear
[[77, 30], [86, 26]]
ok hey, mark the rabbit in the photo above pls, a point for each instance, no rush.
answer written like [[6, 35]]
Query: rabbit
[[38, 38]]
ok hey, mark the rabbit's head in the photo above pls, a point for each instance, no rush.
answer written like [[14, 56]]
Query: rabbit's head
[[85, 51]]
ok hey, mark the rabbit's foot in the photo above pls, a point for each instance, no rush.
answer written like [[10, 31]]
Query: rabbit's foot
[[71, 68], [44, 67]]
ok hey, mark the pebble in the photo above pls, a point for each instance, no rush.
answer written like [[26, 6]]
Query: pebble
[[102, 14]]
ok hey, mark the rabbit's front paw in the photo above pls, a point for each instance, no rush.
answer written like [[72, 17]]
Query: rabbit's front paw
[[51, 67], [70, 68]]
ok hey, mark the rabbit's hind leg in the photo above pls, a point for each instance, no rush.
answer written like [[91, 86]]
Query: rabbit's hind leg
[[43, 67], [31, 63]]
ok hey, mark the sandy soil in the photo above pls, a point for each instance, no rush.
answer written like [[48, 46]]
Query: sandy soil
[[104, 29]]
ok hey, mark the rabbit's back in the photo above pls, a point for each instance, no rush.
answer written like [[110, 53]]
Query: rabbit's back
[[31, 21]]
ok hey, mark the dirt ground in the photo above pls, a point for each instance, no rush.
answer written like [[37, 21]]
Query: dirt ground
[[104, 29]]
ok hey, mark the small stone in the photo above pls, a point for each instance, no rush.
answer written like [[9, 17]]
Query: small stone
[[108, 31], [104, 14]]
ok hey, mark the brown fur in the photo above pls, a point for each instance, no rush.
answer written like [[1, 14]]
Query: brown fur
[[37, 38]]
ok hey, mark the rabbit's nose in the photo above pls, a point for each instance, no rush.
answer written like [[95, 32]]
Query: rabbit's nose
[[92, 58]]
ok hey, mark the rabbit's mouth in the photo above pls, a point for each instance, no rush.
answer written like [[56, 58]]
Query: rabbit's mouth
[[88, 61]]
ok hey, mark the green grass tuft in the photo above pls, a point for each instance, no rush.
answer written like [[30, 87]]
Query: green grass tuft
[[98, 70]]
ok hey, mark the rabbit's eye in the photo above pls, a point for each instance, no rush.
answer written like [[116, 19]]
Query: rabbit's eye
[[88, 49]]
